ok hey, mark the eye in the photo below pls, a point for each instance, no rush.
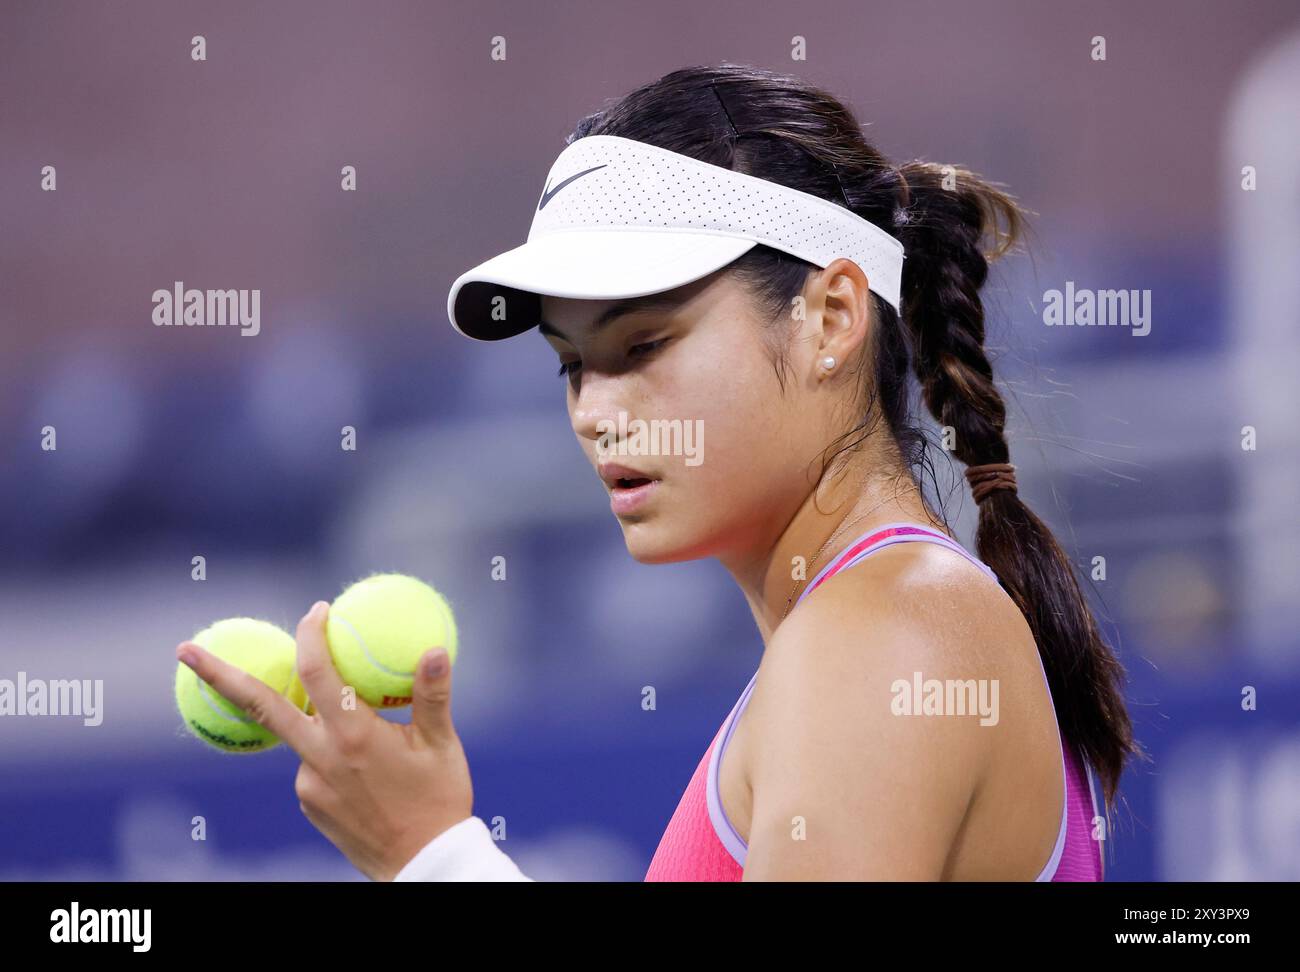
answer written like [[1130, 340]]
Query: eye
[[568, 368], [650, 347]]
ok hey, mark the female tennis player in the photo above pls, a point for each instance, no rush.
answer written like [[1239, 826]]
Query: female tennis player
[[722, 250]]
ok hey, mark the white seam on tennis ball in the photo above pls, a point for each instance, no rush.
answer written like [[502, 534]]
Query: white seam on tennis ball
[[366, 651], [215, 706]]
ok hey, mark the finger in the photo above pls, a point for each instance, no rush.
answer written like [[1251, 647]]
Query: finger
[[311, 789], [263, 704], [313, 793], [316, 669], [431, 697]]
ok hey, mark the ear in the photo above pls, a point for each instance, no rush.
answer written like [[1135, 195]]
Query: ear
[[841, 291]]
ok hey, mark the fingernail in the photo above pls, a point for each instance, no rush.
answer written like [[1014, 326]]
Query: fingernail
[[435, 664], [186, 654]]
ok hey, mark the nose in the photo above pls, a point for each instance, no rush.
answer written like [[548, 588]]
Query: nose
[[597, 406]]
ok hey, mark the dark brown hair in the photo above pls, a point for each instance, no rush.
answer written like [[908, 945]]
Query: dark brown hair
[[782, 129]]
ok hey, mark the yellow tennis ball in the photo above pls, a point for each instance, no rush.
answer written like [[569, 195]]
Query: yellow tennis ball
[[259, 648], [377, 630]]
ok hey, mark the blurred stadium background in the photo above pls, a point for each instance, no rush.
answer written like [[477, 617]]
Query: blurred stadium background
[[184, 442]]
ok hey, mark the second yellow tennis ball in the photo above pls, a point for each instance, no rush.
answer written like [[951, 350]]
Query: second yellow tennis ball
[[377, 630]]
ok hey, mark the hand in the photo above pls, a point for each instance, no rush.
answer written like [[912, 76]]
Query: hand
[[378, 790]]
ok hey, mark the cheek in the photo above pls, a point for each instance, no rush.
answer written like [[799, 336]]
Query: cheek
[[747, 427], [727, 381]]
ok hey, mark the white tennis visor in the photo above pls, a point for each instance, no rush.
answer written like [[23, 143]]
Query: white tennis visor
[[618, 218]]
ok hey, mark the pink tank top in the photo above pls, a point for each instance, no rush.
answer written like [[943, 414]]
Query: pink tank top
[[700, 843]]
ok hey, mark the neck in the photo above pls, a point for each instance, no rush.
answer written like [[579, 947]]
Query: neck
[[826, 523]]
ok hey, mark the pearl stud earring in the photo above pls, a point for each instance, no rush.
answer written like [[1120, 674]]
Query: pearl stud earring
[[828, 363]]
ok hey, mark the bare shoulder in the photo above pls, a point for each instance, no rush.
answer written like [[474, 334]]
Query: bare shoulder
[[831, 720], [904, 607]]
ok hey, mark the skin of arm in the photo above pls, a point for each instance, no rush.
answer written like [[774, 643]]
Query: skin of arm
[[843, 788]]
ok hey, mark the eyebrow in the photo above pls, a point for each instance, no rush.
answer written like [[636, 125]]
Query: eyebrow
[[650, 302]]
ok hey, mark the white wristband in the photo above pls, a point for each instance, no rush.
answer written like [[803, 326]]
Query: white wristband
[[464, 852]]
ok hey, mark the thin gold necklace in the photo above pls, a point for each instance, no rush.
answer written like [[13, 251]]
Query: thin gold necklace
[[843, 526]]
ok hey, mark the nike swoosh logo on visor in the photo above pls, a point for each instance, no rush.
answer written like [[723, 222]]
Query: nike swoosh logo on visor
[[548, 194]]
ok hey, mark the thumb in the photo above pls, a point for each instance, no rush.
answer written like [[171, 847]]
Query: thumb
[[431, 697]]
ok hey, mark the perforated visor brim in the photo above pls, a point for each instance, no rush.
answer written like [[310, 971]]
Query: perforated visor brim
[[501, 297]]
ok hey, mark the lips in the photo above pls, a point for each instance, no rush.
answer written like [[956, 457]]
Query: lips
[[617, 477], [629, 489]]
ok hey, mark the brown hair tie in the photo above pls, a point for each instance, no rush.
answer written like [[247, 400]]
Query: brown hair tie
[[990, 477]]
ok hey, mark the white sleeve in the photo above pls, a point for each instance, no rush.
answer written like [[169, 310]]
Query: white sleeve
[[464, 852]]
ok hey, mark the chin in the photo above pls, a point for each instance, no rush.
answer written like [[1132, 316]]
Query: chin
[[649, 542]]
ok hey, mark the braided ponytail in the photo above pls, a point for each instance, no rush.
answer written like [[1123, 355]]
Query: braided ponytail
[[948, 214]]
